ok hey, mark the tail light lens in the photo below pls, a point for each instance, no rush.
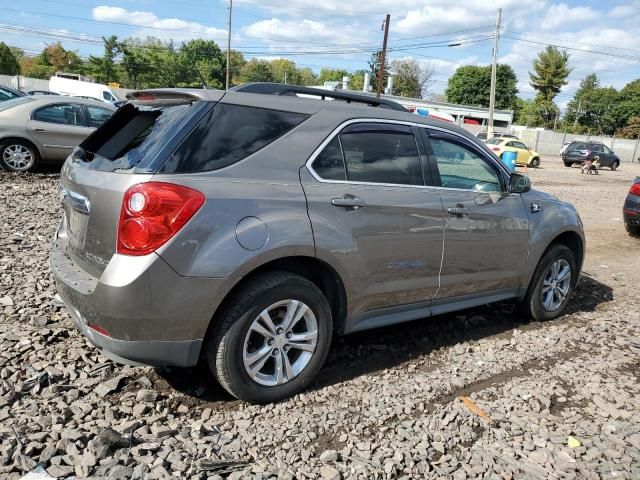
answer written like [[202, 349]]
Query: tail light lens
[[495, 149], [152, 213], [635, 189]]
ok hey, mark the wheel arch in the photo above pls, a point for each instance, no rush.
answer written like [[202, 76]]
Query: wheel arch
[[320, 273]]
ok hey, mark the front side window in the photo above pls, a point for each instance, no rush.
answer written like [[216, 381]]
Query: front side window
[[61, 113], [597, 148], [379, 153], [459, 166], [228, 134], [107, 96], [606, 149], [520, 145]]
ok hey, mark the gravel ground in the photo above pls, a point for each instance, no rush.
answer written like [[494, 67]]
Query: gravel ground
[[478, 394]]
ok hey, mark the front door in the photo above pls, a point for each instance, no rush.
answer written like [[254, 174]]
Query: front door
[[58, 128], [487, 229], [373, 218]]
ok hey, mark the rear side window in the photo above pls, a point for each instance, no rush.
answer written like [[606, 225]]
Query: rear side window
[[379, 153], [330, 163], [228, 134]]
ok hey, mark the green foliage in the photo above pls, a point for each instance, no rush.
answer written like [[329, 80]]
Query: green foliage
[[284, 71], [374, 65], [8, 62], [256, 70], [356, 80], [307, 77], [103, 69], [471, 85], [550, 72], [631, 130], [331, 75], [411, 78], [628, 104]]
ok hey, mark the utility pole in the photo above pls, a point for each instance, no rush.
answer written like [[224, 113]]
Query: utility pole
[[229, 48], [383, 56], [575, 121], [492, 95]]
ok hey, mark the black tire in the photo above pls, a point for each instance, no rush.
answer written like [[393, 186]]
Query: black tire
[[224, 346], [568, 164], [17, 143], [632, 230], [614, 166], [535, 162], [532, 304]]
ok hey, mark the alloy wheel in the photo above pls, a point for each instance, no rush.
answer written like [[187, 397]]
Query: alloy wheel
[[280, 343], [18, 157], [556, 285]]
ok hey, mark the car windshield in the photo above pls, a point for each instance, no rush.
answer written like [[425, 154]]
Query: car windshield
[[14, 102], [495, 141]]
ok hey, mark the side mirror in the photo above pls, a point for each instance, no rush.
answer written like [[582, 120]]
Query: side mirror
[[519, 183]]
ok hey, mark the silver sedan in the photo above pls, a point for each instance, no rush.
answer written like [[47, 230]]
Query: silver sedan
[[45, 128]]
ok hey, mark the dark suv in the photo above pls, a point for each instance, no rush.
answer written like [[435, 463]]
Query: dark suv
[[243, 229], [578, 152]]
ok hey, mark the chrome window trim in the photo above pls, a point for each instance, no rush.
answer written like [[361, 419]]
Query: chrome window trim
[[345, 124], [335, 132]]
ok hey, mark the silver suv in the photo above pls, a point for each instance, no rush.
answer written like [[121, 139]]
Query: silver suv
[[244, 229]]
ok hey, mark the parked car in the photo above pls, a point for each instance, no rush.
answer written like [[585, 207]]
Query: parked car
[[8, 93], [483, 135], [244, 229], [579, 152], [631, 209], [45, 128], [525, 156]]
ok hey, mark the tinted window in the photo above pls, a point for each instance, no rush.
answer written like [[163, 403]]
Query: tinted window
[[461, 167], [606, 149], [107, 96], [7, 95], [228, 134], [62, 113], [511, 144], [330, 163], [597, 148], [519, 145], [381, 154], [495, 141], [578, 146], [98, 115]]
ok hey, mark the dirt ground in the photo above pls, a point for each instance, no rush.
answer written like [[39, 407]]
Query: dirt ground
[[482, 393]]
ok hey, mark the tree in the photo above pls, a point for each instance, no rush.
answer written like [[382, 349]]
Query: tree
[[411, 78], [631, 130], [8, 62], [205, 57], [103, 69], [524, 112], [307, 77], [374, 65], [331, 75], [628, 104], [237, 62], [256, 70], [356, 80], [284, 71], [550, 72], [471, 85], [587, 84]]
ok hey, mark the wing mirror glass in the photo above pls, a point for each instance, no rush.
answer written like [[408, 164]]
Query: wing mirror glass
[[519, 183]]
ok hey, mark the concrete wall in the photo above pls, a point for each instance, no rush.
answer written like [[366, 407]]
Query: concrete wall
[[24, 83]]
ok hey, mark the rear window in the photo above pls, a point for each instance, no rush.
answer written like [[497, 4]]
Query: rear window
[[6, 105], [134, 136], [228, 134], [494, 141]]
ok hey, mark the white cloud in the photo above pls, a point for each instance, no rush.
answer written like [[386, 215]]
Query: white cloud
[[293, 31], [151, 24], [561, 14]]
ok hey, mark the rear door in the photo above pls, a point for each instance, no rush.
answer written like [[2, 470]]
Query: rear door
[[58, 128], [608, 157], [522, 150], [373, 217], [486, 229]]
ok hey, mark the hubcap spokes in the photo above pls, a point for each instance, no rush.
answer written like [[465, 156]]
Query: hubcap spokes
[[280, 342], [556, 284], [17, 157]]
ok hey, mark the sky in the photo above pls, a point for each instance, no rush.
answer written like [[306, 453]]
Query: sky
[[601, 36]]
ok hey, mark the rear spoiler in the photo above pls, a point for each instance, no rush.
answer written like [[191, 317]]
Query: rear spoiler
[[174, 95]]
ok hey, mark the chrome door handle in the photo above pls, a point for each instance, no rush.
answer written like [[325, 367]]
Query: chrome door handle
[[459, 210], [348, 201], [39, 130]]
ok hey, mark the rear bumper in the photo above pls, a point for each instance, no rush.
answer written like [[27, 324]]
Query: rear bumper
[[139, 310]]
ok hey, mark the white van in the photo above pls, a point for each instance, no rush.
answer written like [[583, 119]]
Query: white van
[[78, 86]]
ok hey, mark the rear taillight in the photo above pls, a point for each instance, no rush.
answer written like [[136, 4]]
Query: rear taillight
[[152, 213], [495, 149], [635, 189]]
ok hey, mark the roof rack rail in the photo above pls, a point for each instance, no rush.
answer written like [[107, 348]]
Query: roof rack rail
[[292, 90]]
